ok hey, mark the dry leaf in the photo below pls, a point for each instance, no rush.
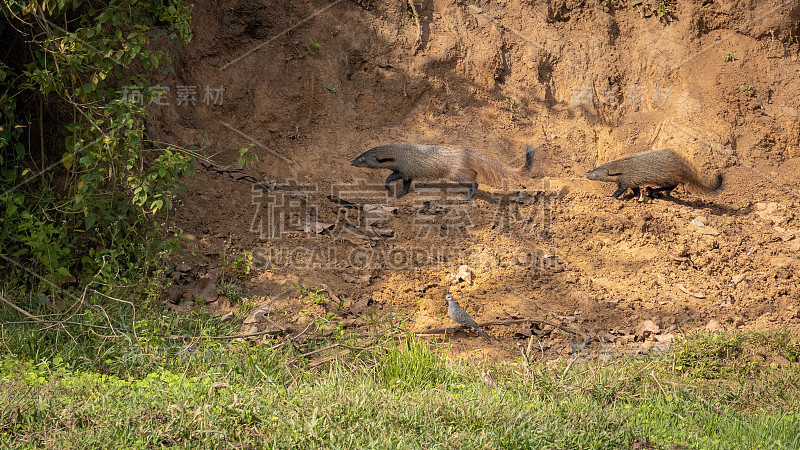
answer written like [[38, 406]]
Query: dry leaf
[[524, 331], [664, 338], [375, 232], [317, 227], [359, 306], [625, 339], [645, 329], [736, 279], [464, 274], [205, 287], [258, 314], [216, 385], [351, 322], [605, 336], [686, 291]]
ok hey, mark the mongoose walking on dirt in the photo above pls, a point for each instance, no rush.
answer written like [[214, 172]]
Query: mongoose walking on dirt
[[430, 162], [663, 169], [458, 314]]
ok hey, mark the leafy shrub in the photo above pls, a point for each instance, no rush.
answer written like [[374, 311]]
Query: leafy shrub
[[81, 187]]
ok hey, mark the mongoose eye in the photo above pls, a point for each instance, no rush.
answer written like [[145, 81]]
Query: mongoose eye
[[384, 160]]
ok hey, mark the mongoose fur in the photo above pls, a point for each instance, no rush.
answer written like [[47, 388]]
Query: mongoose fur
[[431, 162], [663, 169], [458, 314]]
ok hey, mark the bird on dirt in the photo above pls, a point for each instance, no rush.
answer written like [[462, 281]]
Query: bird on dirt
[[458, 314]]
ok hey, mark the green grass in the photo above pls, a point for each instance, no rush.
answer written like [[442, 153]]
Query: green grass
[[75, 387], [397, 396]]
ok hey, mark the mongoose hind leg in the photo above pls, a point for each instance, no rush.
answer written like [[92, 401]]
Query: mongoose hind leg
[[473, 188], [666, 191]]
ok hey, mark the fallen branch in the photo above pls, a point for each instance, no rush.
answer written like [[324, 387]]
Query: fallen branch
[[20, 310], [496, 322], [172, 337], [569, 366], [574, 329], [55, 322], [325, 359]]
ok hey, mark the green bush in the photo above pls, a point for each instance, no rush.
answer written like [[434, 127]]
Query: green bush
[[81, 187]]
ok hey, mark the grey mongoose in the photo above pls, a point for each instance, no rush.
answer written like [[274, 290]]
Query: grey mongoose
[[663, 169], [458, 314], [431, 162]]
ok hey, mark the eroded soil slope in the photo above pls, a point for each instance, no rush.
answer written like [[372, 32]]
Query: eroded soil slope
[[308, 85]]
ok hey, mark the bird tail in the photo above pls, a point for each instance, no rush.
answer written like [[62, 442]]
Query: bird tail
[[484, 335]]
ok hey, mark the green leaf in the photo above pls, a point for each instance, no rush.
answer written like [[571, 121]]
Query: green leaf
[[68, 159], [89, 220], [74, 127], [103, 17], [61, 274]]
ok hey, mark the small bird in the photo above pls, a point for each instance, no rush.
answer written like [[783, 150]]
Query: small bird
[[458, 314]]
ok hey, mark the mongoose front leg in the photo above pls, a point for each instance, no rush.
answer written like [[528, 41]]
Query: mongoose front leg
[[618, 192], [473, 188], [406, 185], [393, 177]]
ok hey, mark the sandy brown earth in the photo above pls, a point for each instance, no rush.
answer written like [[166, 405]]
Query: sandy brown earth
[[584, 81]]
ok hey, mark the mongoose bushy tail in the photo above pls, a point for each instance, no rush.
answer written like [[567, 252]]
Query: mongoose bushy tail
[[431, 162], [663, 169]]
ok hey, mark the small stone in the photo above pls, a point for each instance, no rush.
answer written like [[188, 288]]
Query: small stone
[[714, 325], [697, 222]]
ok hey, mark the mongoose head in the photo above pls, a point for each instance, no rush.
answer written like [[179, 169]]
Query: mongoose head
[[603, 173], [375, 158]]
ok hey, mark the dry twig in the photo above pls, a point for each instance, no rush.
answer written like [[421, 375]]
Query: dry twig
[[172, 337], [496, 322], [18, 309]]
